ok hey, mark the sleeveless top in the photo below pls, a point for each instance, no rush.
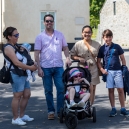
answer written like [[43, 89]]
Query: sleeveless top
[[14, 69]]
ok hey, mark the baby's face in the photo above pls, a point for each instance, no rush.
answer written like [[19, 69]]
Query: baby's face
[[84, 89], [22, 49], [77, 78]]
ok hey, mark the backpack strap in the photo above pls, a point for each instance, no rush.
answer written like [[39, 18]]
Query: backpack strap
[[11, 63]]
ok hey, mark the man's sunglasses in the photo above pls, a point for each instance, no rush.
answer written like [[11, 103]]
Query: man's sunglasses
[[16, 35], [47, 21]]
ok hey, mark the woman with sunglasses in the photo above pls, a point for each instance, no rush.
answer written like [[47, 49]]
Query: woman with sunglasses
[[86, 52], [76, 78], [20, 87]]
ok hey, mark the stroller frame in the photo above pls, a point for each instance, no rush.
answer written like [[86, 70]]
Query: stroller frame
[[74, 113]]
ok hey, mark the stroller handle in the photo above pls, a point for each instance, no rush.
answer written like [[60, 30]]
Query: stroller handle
[[75, 61], [81, 85]]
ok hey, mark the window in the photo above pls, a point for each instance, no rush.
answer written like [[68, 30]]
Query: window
[[42, 19], [114, 7]]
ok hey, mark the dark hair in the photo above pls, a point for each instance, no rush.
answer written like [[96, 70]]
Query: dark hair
[[107, 33], [48, 15], [8, 32], [87, 26]]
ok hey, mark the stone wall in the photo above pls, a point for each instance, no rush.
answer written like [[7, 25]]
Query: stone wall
[[118, 23]]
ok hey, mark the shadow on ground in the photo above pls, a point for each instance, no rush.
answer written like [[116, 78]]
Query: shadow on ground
[[37, 108]]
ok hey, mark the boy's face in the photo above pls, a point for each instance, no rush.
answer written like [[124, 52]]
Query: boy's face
[[108, 39]]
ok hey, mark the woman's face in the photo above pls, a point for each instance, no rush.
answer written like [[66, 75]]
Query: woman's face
[[87, 33], [14, 37]]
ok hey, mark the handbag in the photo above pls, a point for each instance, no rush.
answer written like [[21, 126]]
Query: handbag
[[99, 71], [104, 76], [5, 76]]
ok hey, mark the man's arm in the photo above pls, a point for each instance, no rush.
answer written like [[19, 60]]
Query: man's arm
[[123, 59], [66, 53], [36, 55]]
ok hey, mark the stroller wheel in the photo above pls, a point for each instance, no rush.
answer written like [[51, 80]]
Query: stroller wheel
[[61, 115], [71, 121], [94, 114]]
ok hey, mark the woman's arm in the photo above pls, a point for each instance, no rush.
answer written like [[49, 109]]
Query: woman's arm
[[9, 52], [82, 60]]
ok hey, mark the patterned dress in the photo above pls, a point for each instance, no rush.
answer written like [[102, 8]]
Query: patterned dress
[[81, 50]]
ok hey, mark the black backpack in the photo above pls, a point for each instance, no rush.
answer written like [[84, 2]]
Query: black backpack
[[5, 76]]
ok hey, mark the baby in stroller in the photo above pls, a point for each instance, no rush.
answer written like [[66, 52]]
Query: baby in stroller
[[76, 78], [76, 101]]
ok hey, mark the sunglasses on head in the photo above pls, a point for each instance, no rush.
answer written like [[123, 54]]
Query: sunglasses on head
[[76, 76], [16, 35], [49, 21]]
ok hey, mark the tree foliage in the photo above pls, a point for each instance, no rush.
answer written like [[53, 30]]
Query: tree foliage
[[95, 7]]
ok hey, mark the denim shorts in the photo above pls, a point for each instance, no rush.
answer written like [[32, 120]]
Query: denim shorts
[[19, 83], [114, 79]]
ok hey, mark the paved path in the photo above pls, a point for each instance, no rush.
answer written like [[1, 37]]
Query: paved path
[[37, 108]]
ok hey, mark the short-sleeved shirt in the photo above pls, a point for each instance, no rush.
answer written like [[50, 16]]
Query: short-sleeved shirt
[[105, 53], [50, 49]]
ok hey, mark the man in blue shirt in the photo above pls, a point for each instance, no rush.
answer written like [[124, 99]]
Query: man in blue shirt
[[112, 54]]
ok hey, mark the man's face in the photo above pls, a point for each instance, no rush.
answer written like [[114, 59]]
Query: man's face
[[49, 22]]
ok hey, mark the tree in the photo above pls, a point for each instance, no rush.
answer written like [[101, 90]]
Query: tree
[[95, 7]]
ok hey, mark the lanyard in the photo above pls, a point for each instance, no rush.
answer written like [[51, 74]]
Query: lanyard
[[110, 57]]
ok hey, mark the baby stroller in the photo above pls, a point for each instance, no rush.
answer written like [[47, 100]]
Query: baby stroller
[[73, 114]]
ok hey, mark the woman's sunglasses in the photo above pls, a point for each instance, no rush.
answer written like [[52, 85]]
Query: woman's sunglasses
[[16, 35]]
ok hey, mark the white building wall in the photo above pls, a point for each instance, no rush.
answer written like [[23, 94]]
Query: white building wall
[[118, 23], [25, 16]]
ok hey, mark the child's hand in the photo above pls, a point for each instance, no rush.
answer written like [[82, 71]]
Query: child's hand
[[82, 79], [104, 71]]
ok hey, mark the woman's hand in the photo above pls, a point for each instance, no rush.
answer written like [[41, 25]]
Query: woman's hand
[[33, 68], [82, 60]]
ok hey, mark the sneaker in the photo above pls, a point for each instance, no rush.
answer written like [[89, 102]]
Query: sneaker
[[73, 104], [27, 118], [124, 112], [81, 104], [113, 112], [51, 116], [18, 121]]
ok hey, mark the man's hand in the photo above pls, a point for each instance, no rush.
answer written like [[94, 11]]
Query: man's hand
[[68, 62], [40, 72]]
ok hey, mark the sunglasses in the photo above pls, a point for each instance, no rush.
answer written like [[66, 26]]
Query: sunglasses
[[16, 35], [49, 21], [79, 75]]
